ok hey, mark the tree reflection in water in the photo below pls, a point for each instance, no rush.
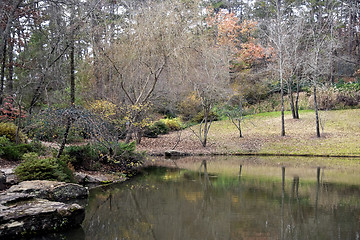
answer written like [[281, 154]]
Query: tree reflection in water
[[180, 204]]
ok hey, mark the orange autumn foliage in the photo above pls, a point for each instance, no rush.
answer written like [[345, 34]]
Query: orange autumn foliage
[[227, 28], [238, 37]]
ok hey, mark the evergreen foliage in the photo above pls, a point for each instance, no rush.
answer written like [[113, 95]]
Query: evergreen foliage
[[35, 168], [121, 154], [13, 152]]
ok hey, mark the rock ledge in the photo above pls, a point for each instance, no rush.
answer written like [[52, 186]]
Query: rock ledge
[[33, 207]]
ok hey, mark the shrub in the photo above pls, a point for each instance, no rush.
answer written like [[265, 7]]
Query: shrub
[[12, 151], [172, 124], [348, 98], [337, 98], [149, 132], [4, 141], [349, 86], [9, 129], [49, 132], [35, 168], [126, 158], [326, 98], [273, 103], [189, 107], [125, 149], [160, 127], [84, 155], [88, 156], [8, 112], [213, 116], [15, 152], [157, 128], [38, 147]]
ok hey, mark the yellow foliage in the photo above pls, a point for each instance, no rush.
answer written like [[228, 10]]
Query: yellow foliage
[[173, 124], [134, 115], [190, 106], [104, 108], [9, 129]]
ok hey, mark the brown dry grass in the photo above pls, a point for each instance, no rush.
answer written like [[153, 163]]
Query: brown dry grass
[[340, 136]]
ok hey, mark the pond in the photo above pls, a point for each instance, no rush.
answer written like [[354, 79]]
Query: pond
[[224, 202]]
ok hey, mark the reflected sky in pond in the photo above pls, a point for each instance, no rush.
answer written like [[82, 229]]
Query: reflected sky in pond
[[179, 204]]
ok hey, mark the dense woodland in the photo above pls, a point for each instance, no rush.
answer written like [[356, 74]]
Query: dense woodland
[[108, 69]]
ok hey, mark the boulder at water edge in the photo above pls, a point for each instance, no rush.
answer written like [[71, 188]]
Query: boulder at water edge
[[51, 190], [32, 209]]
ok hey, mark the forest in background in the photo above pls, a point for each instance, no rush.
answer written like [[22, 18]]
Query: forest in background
[[107, 69]]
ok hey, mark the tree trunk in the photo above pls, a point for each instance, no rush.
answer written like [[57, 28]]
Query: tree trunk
[[98, 77], [96, 44], [72, 92], [37, 93], [72, 72], [138, 134], [10, 68], [204, 141], [282, 107], [17, 138], [291, 99], [297, 99], [240, 134], [131, 130], [4, 41], [67, 129], [72, 99], [128, 133], [316, 114], [351, 31], [281, 59], [10, 20], [206, 128], [2, 74]]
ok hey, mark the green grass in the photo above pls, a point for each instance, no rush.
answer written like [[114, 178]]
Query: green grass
[[278, 113]]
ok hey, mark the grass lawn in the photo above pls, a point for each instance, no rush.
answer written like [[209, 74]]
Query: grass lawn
[[340, 134]]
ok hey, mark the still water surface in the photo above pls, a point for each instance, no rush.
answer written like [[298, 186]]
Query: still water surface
[[183, 204]]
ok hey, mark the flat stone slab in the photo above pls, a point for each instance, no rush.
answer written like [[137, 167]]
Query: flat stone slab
[[9, 198], [35, 207], [86, 178], [174, 153], [96, 178], [51, 190], [37, 216]]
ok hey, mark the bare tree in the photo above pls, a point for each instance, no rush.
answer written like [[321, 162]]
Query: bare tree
[[320, 44], [277, 37], [71, 45], [288, 56], [209, 76], [154, 36], [9, 12], [236, 114]]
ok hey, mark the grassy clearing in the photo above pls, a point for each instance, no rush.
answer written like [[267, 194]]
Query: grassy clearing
[[340, 136], [340, 132]]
